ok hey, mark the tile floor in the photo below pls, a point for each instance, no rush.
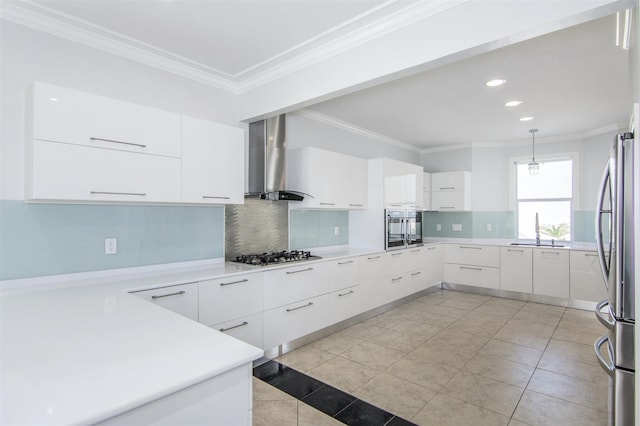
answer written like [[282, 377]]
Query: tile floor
[[452, 358]]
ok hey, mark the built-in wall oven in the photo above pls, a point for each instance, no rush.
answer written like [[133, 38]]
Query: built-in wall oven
[[403, 228]]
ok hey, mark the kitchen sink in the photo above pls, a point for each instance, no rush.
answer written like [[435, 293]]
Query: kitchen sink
[[536, 245]]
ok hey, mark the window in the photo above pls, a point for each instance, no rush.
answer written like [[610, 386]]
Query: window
[[549, 194]]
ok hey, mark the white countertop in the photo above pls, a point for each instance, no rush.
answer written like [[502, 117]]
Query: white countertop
[[570, 245]]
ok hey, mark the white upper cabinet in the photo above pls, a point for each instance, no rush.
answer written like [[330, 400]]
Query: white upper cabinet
[[71, 116], [332, 180], [212, 162], [403, 184], [426, 191], [451, 191]]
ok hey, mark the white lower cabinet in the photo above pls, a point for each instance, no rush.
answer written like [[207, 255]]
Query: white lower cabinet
[[586, 281], [478, 276], [224, 299], [551, 272], [344, 303], [248, 328], [374, 274], [181, 299], [286, 323], [516, 269], [433, 265], [288, 285]]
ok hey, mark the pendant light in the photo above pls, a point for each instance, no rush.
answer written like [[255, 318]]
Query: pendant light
[[534, 166]]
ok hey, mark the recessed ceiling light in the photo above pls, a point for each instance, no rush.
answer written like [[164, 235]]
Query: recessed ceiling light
[[512, 103], [529, 118], [496, 82]]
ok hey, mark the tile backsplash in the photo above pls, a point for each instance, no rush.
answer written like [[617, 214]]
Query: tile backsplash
[[318, 228], [49, 239]]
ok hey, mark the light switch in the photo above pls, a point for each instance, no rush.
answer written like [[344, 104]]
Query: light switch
[[489, 227], [456, 227], [438, 227]]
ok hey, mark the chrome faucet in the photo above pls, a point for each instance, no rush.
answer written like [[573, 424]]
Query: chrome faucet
[[537, 230]]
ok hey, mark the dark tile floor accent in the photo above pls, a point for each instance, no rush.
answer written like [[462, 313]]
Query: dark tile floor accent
[[335, 403]]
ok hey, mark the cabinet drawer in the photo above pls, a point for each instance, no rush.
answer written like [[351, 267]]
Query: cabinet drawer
[[586, 281], [342, 273], [344, 303], [469, 254], [479, 276], [228, 298], [71, 116], [288, 285], [61, 171], [449, 200], [248, 329], [181, 299], [289, 322], [516, 269]]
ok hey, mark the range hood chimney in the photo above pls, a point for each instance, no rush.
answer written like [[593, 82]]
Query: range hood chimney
[[267, 161]]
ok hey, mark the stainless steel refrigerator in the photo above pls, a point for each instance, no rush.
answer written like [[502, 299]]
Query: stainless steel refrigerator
[[615, 241]]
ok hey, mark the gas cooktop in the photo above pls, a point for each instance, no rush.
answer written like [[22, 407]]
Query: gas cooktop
[[275, 257]]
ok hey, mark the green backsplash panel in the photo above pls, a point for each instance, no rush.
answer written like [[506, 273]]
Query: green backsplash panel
[[48, 239], [316, 228], [502, 225], [446, 220]]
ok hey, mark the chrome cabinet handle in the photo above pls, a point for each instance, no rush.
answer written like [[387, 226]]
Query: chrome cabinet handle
[[234, 282], [396, 254], [416, 251], [346, 294], [591, 255], [431, 248], [214, 197], [120, 142], [373, 258], [140, 194], [177, 293], [396, 279], [516, 250], [446, 207], [415, 274], [345, 263], [470, 247], [300, 307], [557, 253], [356, 205], [327, 204], [604, 320], [234, 326], [607, 366], [470, 268], [301, 270], [447, 187]]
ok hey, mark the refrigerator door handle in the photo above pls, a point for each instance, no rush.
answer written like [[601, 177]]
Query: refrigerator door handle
[[607, 322], [609, 367], [604, 266]]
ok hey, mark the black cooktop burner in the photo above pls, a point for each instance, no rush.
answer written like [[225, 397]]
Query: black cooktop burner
[[275, 257]]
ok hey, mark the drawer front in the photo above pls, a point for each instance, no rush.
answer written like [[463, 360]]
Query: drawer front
[[248, 329], [344, 303], [448, 200], [416, 258], [289, 322], [342, 273], [85, 119], [479, 276], [289, 285], [586, 281], [181, 299], [98, 175], [469, 254], [228, 298]]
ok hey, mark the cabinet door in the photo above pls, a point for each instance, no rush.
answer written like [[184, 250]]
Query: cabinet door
[[344, 304], [449, 201], [478, 276], [356, 183], [212, 162], [403, 184], [71, 116], [289, 285], [374, 274], [247, 328], [181, 299], [551, 272], [586, 282], [67, 172], [449, 181], [289, 322], [516, 269], [227, 298], [433, 265], [415, 258]]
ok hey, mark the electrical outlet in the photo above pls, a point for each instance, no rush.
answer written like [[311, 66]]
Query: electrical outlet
[[489, 227], [110, 246], [439, 227], [336, 230], [456, 227]]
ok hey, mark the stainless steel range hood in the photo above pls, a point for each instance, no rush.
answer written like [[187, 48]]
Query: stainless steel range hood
[[267, 161]]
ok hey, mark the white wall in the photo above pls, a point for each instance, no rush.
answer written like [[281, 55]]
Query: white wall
[[29, 55], [303, 131], [448, 161]]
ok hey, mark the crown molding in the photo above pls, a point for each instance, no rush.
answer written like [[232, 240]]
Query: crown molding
[[343, 125], [384, 20], [611, 128]]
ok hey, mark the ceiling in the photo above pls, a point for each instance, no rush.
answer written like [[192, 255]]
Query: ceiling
[[574, 81]]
